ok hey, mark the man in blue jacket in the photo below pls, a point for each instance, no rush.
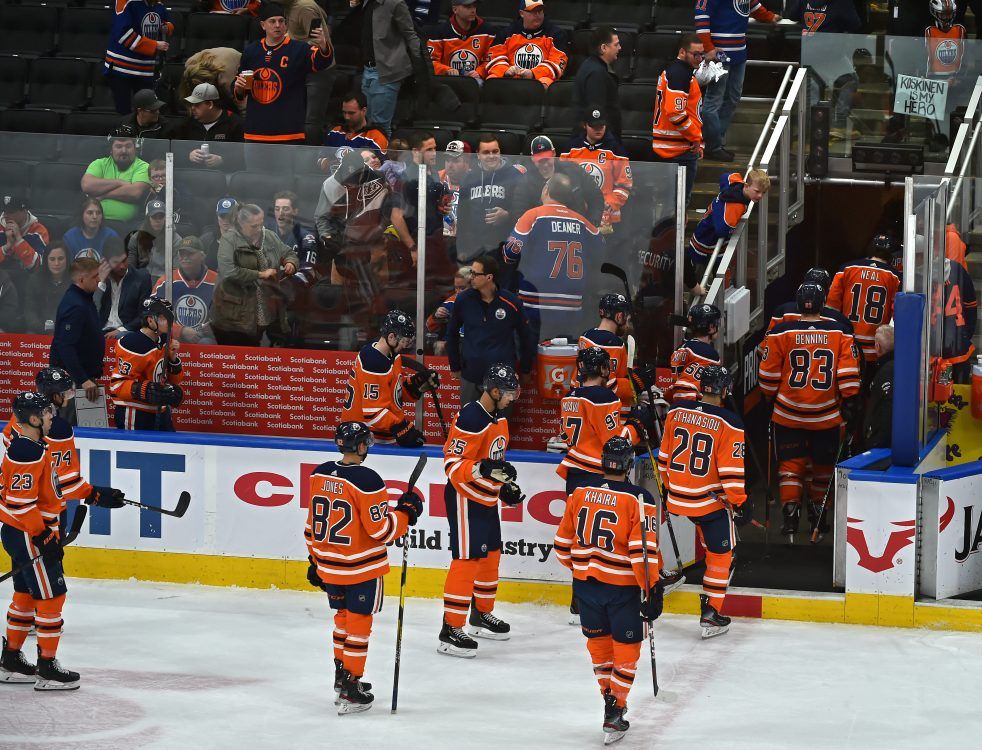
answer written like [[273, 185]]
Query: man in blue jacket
[[482, 330], [78, 344]]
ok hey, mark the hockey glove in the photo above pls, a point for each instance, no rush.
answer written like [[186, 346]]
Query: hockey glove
[[312, 577], [105, 497], [744, 513], [651, 607], [407, 436], [49, 545], [422, 382], [638, 428], [642, 377], [411, 505], [851, 410], [511, 494], [158, 394], [499, 471]]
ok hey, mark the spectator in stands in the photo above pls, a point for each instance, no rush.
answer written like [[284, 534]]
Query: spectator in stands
[[45, 290], [302, 240], [587, 198], [23, 238], [224, 213], [158, 192], [192, 289], [604, 160], [530, 47], [723, 29], [371, 159], [276, 89], [88, 237], [391, 53], [355, 132], [136, 38], [250, 257], [145, 120], [404, 215], [878, 425], [483, 328], [461, 45], [394, 166], [154, 258], [456, 167], [79, 345], [233, 7], [120, 180], [212, 125], [488, 202], [120, 295], [11, 319], [596, 84], [677, 131], [436, 323]]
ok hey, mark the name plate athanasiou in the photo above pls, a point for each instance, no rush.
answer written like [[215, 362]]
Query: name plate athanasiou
[[922, 97]]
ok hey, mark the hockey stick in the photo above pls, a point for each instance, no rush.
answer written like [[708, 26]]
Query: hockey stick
[[179, 510], [612, 270], [647, 592], [828, 490], [439, 413], [402, 591], [769, 498], [73, 532]]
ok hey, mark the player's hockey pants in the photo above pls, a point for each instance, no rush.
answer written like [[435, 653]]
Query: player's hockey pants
[[354, 605], [796, 449], [718, 539], [39, 594], [610, 617]]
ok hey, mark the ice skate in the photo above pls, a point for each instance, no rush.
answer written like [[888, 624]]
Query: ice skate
[[52, 676], [14, 667], [455, 642], [615, 725], [574, 611], [354, 697], [792, 516], [338, 675], [712, 622], [671, 580], [486, 625]]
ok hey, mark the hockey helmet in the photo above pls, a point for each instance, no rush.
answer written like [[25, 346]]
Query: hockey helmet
[[591, 362], [350, 435], [611, 304], [881, 245], [501, 376], [53, 380], [617, 456], [399, 323], [943, 12], [714, 380], [30, 404], [702, 318], [818, 276], [810, 299], [154, 306]]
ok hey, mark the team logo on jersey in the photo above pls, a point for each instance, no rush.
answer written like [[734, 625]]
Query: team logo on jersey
[[463, 61], [88, 252], [528, 57], [742, 7], [595, 172], [266, 86], [233, 5], [191, 312], [497, 451], [499, 314], [152, 23], [947, 52]]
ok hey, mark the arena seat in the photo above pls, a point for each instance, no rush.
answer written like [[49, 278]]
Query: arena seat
[[205, 30], [102, 97], [511, 104], [638, 147], [670, 18], [15, 175], [510, 141], [82, 32], [58, 83], [23, 140], [256, 187], [28, 29], [653, 51], [637, 108], [467, 90], [308, 190], [560, 109], [13, 76], [566, 15], [55, 188], [90, 123], [204, 187], [623, 15]]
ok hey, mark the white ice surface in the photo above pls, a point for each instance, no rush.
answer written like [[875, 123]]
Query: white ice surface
[[189, 667]]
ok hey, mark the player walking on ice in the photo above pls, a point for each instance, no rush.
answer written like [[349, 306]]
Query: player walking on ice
[[701, 461], [600, 532], [477, 477], [348, 526], [696, 352]]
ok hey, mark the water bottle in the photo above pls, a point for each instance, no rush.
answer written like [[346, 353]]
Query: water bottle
[[977, 388]]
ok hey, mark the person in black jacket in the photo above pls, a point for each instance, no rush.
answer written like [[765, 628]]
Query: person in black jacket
[[145, 120], [122, 293], [588, 199], [878, 425], [211, 126], [596, 85], [78, 344]]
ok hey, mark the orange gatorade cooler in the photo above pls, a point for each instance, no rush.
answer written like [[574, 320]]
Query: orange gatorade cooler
[[556, 366], [977, 388]]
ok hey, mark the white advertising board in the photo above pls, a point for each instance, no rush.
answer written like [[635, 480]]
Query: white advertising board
[[951, 564]]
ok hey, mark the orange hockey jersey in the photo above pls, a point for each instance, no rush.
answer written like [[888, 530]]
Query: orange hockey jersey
[[29, 498], [600, 534], [687, 363], [375, 392], [474, 436], [701, 458], [808, 368], [349, 523], [65, 457], [945, 50], [678, 106], [607, 163], [139, 359], [863, 291], [614, 345], [590, 416], [537, 51], [452, 48]]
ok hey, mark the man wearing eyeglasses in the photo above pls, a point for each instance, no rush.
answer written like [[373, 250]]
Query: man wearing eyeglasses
[[677, 132]]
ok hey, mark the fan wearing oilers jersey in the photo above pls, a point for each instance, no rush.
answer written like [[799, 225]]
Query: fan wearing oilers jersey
[[139, 33], [193, 287], [461, 45], [530, 48]]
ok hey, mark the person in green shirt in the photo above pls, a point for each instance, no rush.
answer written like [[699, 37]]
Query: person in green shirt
[[120, 180]]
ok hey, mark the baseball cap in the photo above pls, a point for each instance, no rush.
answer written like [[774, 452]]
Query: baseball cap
[[225, 205], [596, 117], [542, 148], [155, 207], [530, 4], [203, 92], [190, 244], [15, 202], [271, 10], [147, 99], [458, 148]]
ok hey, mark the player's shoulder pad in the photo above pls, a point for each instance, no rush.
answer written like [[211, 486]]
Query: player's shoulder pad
[[473, 418], [23, 450], [806, 325], [684, 403], [362, 477], [701, 349], [723, 413], [596, 394], [61, 429], [136, 342], [600, 337], [372, 360]]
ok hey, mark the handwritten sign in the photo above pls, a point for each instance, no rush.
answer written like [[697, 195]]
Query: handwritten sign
[[921, 97]]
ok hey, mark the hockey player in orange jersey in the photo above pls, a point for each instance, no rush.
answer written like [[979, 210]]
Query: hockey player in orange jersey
[[348, 527], [701, 463], [809, 371], [863, 291], [477, 478], [789, 310], [379, 380], [530, 48], [144, 382], [615, 564], [695, 352]]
